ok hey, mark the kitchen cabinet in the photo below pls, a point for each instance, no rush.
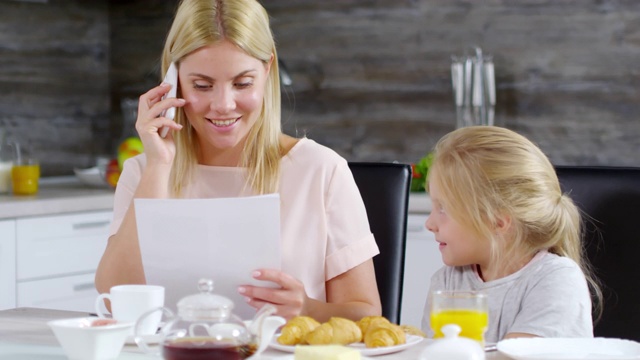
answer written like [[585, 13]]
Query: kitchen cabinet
[[421, 262], [74, 293], [56, 259], [7, 264]]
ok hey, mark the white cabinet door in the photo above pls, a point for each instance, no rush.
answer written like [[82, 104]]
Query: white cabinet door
[[57, 257], [75, 293], [51, 246], [7, 264], [422, 260]]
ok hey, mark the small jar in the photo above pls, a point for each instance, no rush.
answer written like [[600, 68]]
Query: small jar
[[453, 347]]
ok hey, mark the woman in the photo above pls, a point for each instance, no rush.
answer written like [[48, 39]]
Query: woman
[[226, 141]]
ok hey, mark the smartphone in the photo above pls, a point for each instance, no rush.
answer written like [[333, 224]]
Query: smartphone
[[170, 78]]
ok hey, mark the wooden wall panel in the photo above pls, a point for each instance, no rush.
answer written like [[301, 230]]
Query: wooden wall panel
[[54, 89], [566, 71], [371, 77]]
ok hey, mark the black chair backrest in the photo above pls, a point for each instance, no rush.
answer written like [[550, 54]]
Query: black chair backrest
[[610, 200], [385, 191]]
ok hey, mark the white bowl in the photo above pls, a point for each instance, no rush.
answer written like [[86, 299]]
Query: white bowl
[[82, 341], [94, 176]]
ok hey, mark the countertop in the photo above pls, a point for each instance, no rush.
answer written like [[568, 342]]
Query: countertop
[[66, 194], [57, 195]]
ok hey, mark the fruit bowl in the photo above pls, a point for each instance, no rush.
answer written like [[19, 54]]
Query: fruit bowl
[[94, 176]]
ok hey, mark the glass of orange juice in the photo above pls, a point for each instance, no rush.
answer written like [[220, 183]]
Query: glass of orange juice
[[467, 309], [25, 175]]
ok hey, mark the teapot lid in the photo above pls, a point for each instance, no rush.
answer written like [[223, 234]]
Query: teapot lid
[[453, 347], [205, 305]]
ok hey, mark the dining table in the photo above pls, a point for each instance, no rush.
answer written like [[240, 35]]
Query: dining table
[[24, 334]]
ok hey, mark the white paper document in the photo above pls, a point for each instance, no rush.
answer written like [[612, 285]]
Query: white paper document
[[225, 239]]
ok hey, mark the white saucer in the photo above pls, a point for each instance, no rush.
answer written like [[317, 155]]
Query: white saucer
[[154, 339]]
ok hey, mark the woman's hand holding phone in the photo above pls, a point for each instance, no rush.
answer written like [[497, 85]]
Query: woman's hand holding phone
[[152, 106]]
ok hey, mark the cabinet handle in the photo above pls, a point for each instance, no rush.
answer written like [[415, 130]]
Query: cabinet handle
[[90, 225], [83, 287]]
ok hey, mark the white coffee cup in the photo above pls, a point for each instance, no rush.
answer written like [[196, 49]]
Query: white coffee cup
[[129, 302]]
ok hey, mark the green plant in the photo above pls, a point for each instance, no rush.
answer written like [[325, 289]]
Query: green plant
[[420, 172]]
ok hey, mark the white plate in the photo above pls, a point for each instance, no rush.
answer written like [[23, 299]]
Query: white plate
[[570, 348], [291, 357], [411, 341]]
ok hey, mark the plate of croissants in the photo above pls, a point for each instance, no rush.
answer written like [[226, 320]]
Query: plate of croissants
[[371, 335]]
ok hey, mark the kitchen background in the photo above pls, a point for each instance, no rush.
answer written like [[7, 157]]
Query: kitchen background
[[371, 78]]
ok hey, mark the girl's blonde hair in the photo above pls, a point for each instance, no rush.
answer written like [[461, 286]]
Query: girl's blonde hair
[[245, 23], [486, 172]]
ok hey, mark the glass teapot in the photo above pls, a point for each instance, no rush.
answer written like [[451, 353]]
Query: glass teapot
[[205, 327]]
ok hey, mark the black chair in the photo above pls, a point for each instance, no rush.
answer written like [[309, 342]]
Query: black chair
[[385, 191], [610, 200]]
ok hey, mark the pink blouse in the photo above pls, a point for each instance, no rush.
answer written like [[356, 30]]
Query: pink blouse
[[324, 226]]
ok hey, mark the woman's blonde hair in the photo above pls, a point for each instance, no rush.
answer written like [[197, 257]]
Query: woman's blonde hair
[[245, 23], [486, 173]]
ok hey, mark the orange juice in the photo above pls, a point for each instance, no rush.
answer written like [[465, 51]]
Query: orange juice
[[473, 322], [25, 179]]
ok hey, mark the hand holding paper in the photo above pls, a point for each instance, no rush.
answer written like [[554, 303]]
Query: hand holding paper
[[183, 240]]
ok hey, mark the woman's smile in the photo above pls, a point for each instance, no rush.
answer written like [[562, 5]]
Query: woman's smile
[[224, 123]]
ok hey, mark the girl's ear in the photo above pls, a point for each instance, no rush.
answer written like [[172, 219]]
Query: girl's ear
[[503, 224]]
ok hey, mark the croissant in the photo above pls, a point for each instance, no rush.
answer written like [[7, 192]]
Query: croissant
[[412, 330], [336, 331], [294, 331], [384, 334], [367, 321]]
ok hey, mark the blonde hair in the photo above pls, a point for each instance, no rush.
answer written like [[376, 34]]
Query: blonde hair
[[245, 23], [486, 172]]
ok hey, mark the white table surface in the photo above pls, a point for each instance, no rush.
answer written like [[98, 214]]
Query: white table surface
[[24, 334]]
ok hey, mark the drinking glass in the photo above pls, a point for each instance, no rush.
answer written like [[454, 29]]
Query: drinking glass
[[25, 174], [6, 163], [467, 309]]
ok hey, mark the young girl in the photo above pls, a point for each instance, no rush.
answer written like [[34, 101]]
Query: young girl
[[505, 228]]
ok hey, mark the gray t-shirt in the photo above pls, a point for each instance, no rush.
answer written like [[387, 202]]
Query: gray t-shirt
[[549, 297]]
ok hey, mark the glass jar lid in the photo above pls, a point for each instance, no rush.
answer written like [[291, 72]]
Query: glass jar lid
[[206, 305]]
